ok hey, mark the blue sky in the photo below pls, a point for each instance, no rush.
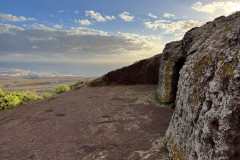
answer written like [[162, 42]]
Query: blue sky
[[99, 31]]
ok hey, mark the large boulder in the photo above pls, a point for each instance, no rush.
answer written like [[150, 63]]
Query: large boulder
[[174, 56], [142, 72], [206, 120]]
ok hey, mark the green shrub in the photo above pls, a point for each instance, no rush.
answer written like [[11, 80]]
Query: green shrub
[[77, 84], [158, 99], [165, 147], [46, 95], [13, 99], [29, 96], [61, 89], [136, 62], [227, 28]]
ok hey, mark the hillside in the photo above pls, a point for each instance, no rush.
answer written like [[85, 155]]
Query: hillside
[[87, 124], [142, 72], [118, 118]]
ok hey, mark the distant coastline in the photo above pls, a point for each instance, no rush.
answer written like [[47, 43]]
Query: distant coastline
[[22, 72], [79, 69]]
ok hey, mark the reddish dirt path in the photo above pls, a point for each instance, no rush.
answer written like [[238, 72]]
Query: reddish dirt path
[[89, 123]]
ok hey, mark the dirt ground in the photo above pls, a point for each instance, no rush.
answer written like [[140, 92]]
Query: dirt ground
[[109, 123]]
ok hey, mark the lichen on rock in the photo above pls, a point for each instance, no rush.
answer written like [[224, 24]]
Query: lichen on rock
[[206, 120]]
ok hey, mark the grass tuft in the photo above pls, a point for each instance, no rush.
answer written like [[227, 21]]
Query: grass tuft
[[77, 84], [49, 110], [159, 100]]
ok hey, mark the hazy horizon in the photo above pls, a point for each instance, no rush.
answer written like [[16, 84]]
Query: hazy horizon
[[96, 36], [84, 69]]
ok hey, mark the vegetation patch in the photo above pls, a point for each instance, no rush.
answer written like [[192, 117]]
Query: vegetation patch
[[132, 101], [165, 147], [9, 100], [61, 89], [49, 110], [92, 96], [77, 84], [227, 28], [47, 96], [156, 97]]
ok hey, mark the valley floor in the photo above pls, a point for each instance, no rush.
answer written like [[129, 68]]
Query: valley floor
[[118, 122]]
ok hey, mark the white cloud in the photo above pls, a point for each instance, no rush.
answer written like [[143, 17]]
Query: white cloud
[[85, 31], [151, 15], [75, 44], [98, 17], [218, 7], [7, 28], [110, 17], [168, 15], [61, 11], [171, 27], [95, 15], [76, 12], [50, 15], [178, 36], [38, 26], [126, 17], [57, 26], [9, 17], [84, 22]]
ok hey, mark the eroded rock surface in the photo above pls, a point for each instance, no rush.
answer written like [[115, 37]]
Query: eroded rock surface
[[142, 72], [206, 120]]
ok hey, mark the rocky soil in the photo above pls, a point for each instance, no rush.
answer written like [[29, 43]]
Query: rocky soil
[[109, 123]]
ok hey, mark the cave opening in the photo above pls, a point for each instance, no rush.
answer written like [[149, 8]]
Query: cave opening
[[175, 76]]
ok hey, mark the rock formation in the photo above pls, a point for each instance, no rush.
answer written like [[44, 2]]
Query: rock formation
[[142, 72], [201, 74]]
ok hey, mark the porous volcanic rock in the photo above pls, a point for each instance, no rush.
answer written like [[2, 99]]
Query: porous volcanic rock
[[171, 62], [206, 120], [142, 72]]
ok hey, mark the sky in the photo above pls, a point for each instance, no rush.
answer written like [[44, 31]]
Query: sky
[[111, 32]]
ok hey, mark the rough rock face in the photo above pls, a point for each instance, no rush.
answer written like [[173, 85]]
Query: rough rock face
[[174, 55], [142, 72], [171, 62], [206, 120]]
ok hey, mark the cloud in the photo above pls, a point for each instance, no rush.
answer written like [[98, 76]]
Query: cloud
[[151, 15], [84, 22], [57, 26], [61, 11], [98, 17], [75, 44], [168, 15], [218, 7], [7, 28], [125, 16], [171, 27], [76, 12], [38, 26], [110, 17], [9, 17]]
